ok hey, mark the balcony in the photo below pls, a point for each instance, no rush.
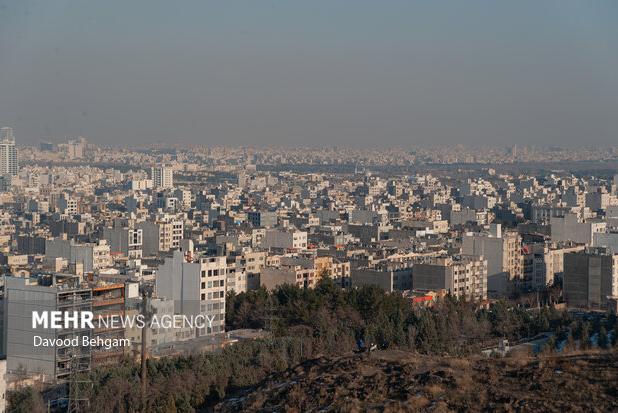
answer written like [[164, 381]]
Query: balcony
[[107, 301]]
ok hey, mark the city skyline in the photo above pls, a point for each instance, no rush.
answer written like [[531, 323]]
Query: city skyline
[[285, 205], [513, 148]]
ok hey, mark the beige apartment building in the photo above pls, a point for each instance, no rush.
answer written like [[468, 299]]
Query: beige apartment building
[[464, 276], [338, 270], [299, 275], [543, 263], [503, 252], [164, 234]]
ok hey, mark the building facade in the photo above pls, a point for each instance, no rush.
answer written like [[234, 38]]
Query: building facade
[[464, 276], [9, 164], [590, 278]]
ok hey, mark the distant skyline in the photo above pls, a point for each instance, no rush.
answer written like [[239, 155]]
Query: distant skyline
[[311, 73]]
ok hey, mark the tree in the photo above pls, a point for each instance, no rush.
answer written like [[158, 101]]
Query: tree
[[603, 339], [542, 323], [427, 335], [25, 400], [325, 320], [584, 336]]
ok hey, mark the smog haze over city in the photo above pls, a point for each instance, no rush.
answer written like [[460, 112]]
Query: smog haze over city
[[351, 73], [298, 206]]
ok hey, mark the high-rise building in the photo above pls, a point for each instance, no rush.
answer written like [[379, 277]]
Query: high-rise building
[[571, 227], [93, 256], [125, 241], [48, 292], [590, 278], [107, 300], [197, 286], [502, 252], [465, 276], [544, 262], [162, 235], [287, 240], [6, 133], [162, 176], [8, 153]]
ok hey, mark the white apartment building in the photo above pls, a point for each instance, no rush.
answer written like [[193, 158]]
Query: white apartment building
[[164, 234], [197, 286], [287, 240], [140, 184], [236, 274], [67, 205], [8, 153], [162, 177], [124, 241], [252, 263], [92, 256]]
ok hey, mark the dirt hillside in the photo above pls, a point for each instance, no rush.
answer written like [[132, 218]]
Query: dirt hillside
[[393, 381]]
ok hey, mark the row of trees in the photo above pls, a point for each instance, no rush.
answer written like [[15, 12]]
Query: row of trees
[[305, 323], [583, 334], [338, 317], [179, 384]]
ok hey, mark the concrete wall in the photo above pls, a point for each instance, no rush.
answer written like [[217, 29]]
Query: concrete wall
[[383, 279], [272, 277], [432, 277], [587, 279], [21, 301], [150, 238]]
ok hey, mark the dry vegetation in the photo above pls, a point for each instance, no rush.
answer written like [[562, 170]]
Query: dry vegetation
[[394, 381]]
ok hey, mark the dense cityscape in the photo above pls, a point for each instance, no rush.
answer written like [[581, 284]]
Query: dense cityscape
[[285, 206], [292, 254]]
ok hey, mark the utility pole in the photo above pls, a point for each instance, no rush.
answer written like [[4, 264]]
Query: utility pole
[[76, 402], [147, 313]]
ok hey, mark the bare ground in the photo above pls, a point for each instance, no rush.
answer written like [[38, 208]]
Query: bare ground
[[393, 381]]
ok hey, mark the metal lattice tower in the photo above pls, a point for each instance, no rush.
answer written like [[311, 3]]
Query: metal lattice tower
[[146, 310], [77, 402]]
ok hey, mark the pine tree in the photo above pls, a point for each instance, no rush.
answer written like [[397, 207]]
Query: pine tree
[[603, 339], [584, 337]]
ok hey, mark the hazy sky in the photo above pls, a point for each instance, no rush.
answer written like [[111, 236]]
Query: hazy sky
[[363, 73]]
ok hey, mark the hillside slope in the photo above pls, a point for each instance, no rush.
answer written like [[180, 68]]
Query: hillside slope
[[397, 381]]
